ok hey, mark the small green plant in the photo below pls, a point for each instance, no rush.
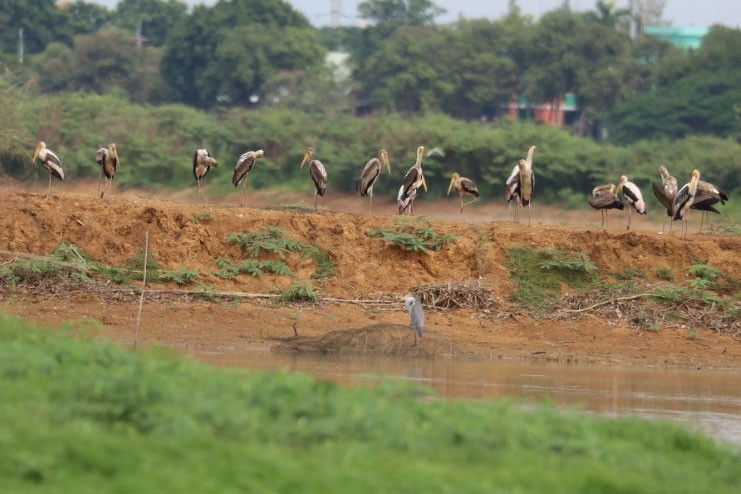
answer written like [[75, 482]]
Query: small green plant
[[665, 273], [630, 274], [180, 276], [203, 217], [253, 267], [567, 261], [416, 236], [136, 262], [274, 240], [299, 292], [693, 334]]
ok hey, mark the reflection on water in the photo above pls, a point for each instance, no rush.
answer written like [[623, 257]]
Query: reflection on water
[[708, 398]]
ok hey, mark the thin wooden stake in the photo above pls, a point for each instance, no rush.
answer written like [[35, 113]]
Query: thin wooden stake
[[144, 284]]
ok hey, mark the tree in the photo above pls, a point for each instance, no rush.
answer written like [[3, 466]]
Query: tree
[[157, 17], [42, 22], [399, 12]]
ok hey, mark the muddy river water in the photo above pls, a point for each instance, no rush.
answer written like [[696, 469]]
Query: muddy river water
[[707, 399]]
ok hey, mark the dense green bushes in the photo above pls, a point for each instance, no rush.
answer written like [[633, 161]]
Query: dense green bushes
[[82, 416], [156, 145]]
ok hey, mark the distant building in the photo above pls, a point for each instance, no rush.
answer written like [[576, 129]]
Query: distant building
[[682, 37], [558, 111]]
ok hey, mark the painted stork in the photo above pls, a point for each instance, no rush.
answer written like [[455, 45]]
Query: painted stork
[[683, 201], [202, 163], [371, 172], [706, 197], [412, 180], [464, 186], [107, 158], [513, 190], [604, 198], [317, 172], [632, 195], [666, 193], [244, 165], [404, 203], [51, 162], [521, 188]]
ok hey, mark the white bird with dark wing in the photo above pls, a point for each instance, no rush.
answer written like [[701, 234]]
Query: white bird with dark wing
[[604, 198], [412, 181], [684, 200], [632, 195], [512, 188], [666, 193], [371, 172], [244, 165], [50, 161], [706, 197], [416, 315], [317, 172], [464, 186], [202, 163], [520, 187], [107, 158]]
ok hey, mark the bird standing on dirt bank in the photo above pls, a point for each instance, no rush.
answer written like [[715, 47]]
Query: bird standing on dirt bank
[[666, 193], [522, 187], [51, 162], [202, 163], [706, 196], [416, 315], [108, 161], [412, 180], [369, 175], [633, 197], [604, 198], [464, 186], [317, 172], [244, 165], [683, 201]]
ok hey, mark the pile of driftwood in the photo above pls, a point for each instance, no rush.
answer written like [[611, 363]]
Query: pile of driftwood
[[466, 294]]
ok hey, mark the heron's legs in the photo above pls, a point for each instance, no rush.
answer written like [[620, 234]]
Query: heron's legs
[[528, 213], [48, 189], [316, 198], [370, 201], [464, 204], [200, 191], [244, 191], [628, 208]]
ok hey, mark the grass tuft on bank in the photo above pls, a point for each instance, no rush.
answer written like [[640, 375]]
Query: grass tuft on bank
[[84, 416]]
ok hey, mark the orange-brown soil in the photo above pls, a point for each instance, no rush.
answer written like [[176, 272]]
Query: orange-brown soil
[[186, 235]]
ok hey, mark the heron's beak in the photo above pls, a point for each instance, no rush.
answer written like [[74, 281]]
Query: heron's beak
[[424, 183], [619, 188], [450, 187], [388, 165], [36, 153], [305, 160]]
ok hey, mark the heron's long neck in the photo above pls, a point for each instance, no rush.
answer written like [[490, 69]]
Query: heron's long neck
[[418, 163], [530, 153]]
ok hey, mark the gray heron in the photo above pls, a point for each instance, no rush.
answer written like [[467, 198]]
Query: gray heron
[[107, 158], [464, 186], [633, 197], [416, 315], [317, 172], [604, 198], [50, 161], [202, 163]]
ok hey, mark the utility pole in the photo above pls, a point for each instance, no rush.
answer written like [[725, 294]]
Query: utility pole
[[20, 46], [335, 17]]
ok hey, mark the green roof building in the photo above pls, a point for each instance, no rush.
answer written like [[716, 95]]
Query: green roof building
[[682, 37]]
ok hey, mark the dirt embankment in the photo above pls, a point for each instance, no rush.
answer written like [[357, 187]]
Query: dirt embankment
[[193, 237]]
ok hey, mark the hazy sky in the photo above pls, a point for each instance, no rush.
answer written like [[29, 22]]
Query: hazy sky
[[678, 12]]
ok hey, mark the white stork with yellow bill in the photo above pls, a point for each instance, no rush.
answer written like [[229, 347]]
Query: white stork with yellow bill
[[317, 172], [371, 172], [107, 158], [412, 181], [50, 161]]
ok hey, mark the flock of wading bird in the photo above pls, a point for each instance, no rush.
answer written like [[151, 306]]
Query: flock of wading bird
[[520, 184]]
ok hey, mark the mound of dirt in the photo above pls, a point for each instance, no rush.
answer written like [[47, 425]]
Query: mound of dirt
[[356, 267]]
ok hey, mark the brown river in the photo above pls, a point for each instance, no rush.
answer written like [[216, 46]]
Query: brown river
[[709, 400]]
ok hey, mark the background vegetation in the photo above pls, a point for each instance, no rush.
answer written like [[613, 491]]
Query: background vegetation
[[80, 415], [162, 80]]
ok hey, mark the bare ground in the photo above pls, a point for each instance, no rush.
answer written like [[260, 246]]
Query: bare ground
[[360, 311]]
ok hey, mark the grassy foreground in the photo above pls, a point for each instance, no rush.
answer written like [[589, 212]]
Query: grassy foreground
[[83, 416]]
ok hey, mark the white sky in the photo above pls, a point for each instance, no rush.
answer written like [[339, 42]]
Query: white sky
[[678, 12]]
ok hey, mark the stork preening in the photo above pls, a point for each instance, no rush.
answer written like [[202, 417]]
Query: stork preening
[[371, 172], [684, 200], [107, 158], [244, 165], [50, 161], [604, 198], [706, 197], [202, 163], [464, 186], [513, 190], [317, 172], [412, 180], [633, 197], [666, 193]]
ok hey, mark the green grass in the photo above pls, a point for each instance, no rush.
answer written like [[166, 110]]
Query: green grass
[[665, 273], [538, 275], [415, 235], [82, 416]]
